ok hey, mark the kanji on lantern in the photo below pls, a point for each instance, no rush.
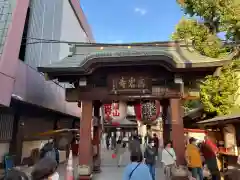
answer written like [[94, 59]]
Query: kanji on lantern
[[115, 111], [107, 110]]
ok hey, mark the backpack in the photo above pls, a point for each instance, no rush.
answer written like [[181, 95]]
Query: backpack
[[51, 154], [46, 148]]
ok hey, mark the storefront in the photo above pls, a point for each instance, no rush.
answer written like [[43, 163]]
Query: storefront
[[225, 132]]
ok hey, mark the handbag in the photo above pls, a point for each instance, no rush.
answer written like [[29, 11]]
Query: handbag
[[130, 175], [177, 171], [114, 156]]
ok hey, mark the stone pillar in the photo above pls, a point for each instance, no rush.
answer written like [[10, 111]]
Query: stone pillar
[[177, 132], [85, 144], [97, 131], [166, 120]]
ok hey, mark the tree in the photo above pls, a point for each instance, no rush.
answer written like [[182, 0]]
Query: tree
[[199, 35], [213, 16], [206, 19], [191, 104], [219, 93]]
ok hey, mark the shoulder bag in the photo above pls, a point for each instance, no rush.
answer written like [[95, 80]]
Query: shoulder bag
[[169, 153], [130, 175]]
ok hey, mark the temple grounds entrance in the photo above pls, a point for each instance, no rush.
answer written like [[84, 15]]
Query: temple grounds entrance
[[144, 75]]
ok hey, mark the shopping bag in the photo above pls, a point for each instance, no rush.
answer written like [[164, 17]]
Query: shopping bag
[[179, 171], [114, 156]]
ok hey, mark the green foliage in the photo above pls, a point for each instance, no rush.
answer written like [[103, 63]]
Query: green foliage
[[230, 20], [219, 93], [191, 104], [204, 42], [218, 15], [215, 16]]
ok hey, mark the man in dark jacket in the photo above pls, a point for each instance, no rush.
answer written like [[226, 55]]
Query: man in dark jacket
[[150, 157], [156, 144], [135, 146]]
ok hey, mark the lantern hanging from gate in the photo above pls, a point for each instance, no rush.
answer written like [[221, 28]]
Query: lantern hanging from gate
[[115, 112], [148, 111]]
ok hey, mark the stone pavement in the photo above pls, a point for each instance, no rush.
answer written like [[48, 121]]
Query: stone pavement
[[109, 167]]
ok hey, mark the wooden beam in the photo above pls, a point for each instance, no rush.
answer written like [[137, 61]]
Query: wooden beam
[[103, 94]]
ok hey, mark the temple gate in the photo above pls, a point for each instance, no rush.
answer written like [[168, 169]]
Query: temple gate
[[133, 73]]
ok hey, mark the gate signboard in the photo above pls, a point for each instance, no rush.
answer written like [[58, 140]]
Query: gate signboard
[[130, 84]]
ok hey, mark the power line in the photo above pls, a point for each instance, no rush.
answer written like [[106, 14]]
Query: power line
[[46, 41]]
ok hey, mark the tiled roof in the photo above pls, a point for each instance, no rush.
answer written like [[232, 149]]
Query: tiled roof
[[220, 118], [177, 55]]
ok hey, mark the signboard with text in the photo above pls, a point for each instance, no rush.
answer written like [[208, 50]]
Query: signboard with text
[[128, 84]]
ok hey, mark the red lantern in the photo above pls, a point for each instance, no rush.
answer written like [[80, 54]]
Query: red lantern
[[148, 112], [115, 109], [115, 112], [138, 111], [115, 123]]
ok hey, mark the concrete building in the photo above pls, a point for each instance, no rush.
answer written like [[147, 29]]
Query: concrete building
[[28, 103]]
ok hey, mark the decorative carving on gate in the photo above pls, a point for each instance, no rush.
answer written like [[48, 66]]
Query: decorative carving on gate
[[128, 84]]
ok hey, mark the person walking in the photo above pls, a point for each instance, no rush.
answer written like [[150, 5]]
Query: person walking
[[193, 159], [113, 141], [135, 146], [150, 158], [136, 170], [119, 151], [168, 159], [209, 151], [156, 144], [107, 139]]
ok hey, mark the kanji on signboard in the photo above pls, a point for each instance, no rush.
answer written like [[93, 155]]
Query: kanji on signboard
[[116, 109], [132, 83]]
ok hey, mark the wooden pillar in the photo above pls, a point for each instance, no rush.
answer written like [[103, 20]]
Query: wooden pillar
[[166, 120], [85, 144], [97, 137], [16, 144], [177, 132]]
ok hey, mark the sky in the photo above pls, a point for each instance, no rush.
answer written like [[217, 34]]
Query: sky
[[120, 21]]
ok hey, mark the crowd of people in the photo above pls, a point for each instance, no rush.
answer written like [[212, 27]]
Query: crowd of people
[[143, 156], [199, 155]]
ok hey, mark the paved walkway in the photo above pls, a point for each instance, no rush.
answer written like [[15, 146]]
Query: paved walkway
[[109, 168]]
